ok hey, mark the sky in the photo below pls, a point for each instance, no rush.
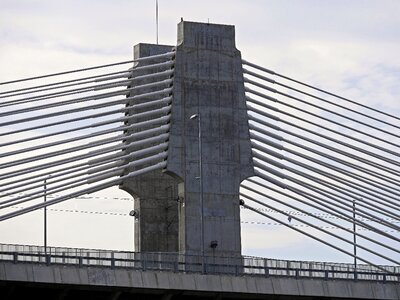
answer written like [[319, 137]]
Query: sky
[[349, 47]]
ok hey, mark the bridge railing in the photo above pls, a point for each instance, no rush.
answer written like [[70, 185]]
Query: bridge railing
[[174, 262]]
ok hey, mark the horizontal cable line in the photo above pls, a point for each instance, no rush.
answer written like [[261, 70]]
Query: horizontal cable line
[[112, 172], [325, 183], [165, 73], [83, 90], [138, 153], [275, 224], [160, 156], [100, 166], [52, 96], [318, 218], [327, 204], [318, 89], [156, 148], [333, 158], [101, 198], [62, 152], [168, 72], [87, 98], [362, 178], [165, 100], [64, 111], [342, 180], [316, 238], [323, 100], [345, 205], [251, 108], [323, 145], [97, 78], [63, 210], [126, 215], [115, 198], [166, 64], [92, 88], [147, 58], [374, 208], [27, 187], [145, 133], [110, 198], [160, 120], [109, 94], [326, 232], [45, 176], [59, 85], [74, 101], [323, 127], [321, 215], [339, 200], [267, 88], [92, 116], [147, 114], [143, 139], [325, 119], [322, 205], [334, 186], [85, 165], [107, 198], [330, 185], [89, 190]]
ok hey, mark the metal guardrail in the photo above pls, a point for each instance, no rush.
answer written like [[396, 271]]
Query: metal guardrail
[[174, 262]]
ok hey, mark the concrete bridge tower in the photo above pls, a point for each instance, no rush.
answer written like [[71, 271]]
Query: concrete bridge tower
[[193, 205]]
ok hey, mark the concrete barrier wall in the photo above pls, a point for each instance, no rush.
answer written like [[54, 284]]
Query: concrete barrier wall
[[197, 283]]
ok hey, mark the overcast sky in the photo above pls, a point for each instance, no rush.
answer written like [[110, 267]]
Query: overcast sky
[[349, 47]]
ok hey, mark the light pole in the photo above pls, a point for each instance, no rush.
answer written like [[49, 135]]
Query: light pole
[[198, 117], [45, 218], [354, 236], [157, 21]]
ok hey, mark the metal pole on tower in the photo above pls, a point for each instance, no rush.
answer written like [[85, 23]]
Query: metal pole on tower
[[198, 117], [157, 22], [45, 219], [354, 238]]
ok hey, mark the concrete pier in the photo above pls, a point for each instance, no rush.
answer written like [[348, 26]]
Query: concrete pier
[[191, 206], [209, 83], [155, 193]]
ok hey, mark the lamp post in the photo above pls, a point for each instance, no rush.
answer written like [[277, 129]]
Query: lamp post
[[354, 236], [198, 117], [45, 218]]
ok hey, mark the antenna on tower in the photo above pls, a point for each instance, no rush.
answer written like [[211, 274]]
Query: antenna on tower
[[157, 21]]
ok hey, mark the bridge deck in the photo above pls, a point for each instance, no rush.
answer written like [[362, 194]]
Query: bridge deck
[[77, 272], [106, 283]]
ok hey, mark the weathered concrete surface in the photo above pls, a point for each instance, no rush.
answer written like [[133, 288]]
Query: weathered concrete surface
[[208, 81], [155, 193], [196, 284]]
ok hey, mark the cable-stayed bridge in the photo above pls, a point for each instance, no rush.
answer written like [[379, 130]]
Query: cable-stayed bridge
[[194, 132]]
